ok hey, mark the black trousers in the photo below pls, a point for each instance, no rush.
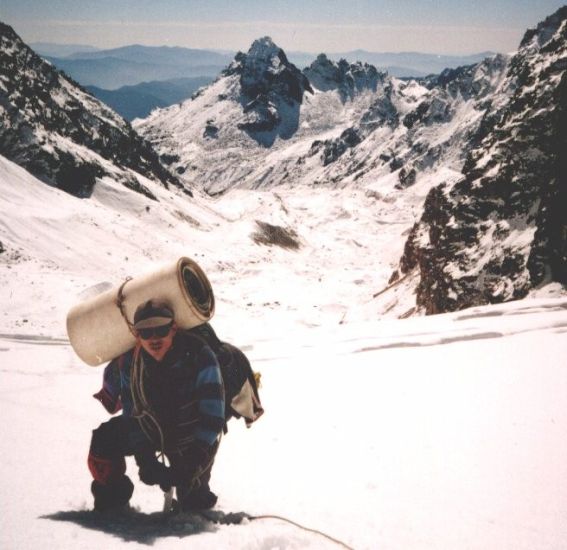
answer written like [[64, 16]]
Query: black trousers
[[122, 436]]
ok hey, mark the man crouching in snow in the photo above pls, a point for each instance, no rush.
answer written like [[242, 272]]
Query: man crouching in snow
[[170, 389]]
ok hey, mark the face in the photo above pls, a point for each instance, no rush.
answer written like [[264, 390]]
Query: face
[[156, 345]]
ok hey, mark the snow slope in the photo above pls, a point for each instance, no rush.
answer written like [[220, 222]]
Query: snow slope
[[431, 432]]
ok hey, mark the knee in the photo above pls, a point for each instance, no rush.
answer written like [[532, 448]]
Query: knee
[[108, 439]]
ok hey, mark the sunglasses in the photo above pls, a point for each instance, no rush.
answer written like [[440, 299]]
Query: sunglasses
[[159, 332]]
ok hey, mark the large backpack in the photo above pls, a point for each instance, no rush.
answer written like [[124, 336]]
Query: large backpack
[[240, 381]]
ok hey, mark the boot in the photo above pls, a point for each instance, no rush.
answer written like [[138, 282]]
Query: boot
[[113, 495], [201, 498]]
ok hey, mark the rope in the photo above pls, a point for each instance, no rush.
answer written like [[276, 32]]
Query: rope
[[308, 529], [143, 412], [141, 406], [120, 303]]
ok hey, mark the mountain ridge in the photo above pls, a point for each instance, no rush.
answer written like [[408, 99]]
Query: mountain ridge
[[499, 231], [60, 133], [402, 134], [467, 164]]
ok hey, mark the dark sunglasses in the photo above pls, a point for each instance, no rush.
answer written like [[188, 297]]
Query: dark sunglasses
[[159, 332]]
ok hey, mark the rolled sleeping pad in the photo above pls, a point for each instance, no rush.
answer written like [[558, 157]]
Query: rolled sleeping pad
[[99, 330]]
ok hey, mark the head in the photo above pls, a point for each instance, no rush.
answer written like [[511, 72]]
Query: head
[[155, 328]]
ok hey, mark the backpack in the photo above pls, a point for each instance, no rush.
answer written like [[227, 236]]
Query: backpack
[[240, 382]]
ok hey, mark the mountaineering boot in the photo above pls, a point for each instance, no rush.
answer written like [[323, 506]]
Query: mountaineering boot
[[113, 495], [201, 498]]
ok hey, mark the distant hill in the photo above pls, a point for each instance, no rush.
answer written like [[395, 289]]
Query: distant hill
[[167, 55], [131, 65], [140, 100], [112, 73], [60, 50]]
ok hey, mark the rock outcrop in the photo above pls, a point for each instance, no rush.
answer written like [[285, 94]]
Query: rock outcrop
[[272, 91], [349, 79], [60, 133], [501, 230]]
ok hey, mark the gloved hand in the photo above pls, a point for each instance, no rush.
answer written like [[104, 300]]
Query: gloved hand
[[153, 472]]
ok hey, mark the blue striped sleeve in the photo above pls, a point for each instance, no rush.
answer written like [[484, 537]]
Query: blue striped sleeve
[[209, 388]]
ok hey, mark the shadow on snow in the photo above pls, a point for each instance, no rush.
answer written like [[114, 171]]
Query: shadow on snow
[[132, 525]]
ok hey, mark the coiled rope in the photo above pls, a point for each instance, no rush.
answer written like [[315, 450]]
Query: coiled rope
[[142, 410]]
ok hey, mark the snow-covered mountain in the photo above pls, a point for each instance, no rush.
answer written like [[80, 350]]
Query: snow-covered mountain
[[481, 142], [62, 134], [271, 92], [348, 125], [303, 132], [501, 229]]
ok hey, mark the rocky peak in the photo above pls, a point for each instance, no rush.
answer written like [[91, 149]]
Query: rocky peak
[[538, 38], [263, 50], [347, 78], [470, 80], [500, 230], [272, 91], [265, 70], [60, 133]]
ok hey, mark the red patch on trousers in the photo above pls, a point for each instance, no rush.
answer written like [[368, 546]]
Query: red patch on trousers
[[106, 469]]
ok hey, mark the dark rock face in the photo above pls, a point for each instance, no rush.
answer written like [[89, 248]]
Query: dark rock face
[[347, 78], [272, 91], [332, 149], [382, 112], [502, 230], [211, 130], [61, 134]]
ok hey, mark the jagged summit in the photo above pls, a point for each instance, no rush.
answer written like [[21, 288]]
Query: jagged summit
[[264, 49], [272, 91], [265, 70], [546, 30], [325, 74]]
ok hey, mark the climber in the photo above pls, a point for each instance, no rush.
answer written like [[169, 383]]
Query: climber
[[170, 389]]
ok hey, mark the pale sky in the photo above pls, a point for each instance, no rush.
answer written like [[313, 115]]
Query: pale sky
[[433, 26]]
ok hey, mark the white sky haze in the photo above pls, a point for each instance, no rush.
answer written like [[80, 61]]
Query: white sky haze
[[434, 26]]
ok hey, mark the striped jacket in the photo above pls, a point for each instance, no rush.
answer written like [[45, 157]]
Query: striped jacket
[[184, 391]]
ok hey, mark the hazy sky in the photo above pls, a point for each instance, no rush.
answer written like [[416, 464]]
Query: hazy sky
[[436, 26]]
